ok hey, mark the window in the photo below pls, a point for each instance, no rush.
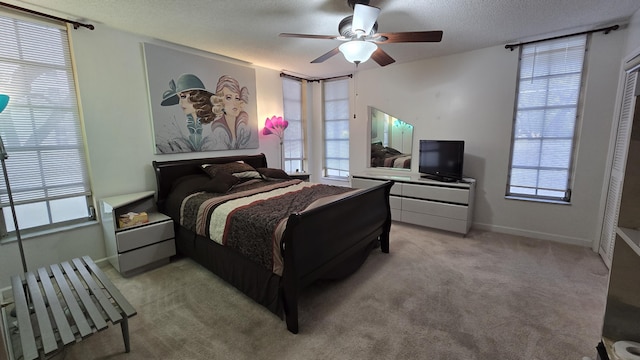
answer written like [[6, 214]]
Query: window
[[549, 86], [336, 128], [41, 129], [293, 141]]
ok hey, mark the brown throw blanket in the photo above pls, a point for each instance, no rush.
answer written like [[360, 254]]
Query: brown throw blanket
[[248, 219]]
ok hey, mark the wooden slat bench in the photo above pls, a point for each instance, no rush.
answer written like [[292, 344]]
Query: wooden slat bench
[[63, 304]]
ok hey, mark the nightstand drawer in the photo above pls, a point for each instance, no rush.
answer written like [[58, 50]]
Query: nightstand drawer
[[146, 255], [144, 235]]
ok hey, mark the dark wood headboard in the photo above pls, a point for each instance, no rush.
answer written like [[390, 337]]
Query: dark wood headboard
[[169, 171]]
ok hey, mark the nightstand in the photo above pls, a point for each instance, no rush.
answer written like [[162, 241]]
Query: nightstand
[[136, 248], [299, 175]]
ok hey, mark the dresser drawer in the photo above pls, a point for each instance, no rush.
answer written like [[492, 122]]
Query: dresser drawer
[[425, 202], [396, 189], [451, 211], [396, 214], [437, 222], [144, 235], [395, 202], [452, 195]]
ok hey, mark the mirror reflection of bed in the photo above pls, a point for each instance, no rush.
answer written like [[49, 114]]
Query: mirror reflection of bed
[[391, 141]]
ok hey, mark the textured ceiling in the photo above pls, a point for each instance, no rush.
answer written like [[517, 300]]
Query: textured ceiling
[[248, 29]]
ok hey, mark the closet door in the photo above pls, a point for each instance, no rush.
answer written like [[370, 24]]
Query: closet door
[[614, 194]]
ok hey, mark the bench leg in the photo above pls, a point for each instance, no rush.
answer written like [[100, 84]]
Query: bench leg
[[124, 325]]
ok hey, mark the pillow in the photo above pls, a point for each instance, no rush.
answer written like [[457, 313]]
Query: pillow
[[190, 184], [237, 168], [379, 154], [273, 173], [376, 147], [392, 151], [221, 183]]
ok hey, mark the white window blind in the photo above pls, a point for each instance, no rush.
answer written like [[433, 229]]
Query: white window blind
[[336, 128], [294, 135], [549, 86], [41, 128]]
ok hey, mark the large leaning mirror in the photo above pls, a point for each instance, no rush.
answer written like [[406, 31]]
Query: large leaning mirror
[[391, 141]]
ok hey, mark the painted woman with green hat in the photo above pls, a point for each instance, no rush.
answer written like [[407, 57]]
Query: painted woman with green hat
[[190, 93]]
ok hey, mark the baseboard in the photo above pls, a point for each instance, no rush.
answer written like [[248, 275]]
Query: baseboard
[[534, 234]]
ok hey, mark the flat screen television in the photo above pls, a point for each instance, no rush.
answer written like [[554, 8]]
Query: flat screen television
[[441, 160]]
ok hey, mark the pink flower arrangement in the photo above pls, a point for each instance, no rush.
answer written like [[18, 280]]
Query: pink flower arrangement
[[275, 125]]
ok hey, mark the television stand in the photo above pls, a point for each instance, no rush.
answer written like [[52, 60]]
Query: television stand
[[420, 200]]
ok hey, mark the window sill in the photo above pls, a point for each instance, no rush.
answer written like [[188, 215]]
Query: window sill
[[546, 201], [335, 178], [35, 234]]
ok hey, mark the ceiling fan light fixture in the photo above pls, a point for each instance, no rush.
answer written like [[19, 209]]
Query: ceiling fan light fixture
[[357, 51]]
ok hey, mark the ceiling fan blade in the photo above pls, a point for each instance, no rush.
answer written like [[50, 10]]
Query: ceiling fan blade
[[364, 17], [309, 36], [382, 58], [326, 56], [410, 36]]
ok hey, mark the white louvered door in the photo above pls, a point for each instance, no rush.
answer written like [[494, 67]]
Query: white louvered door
[[614, 194]]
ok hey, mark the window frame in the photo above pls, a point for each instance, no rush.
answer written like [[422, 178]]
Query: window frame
[[542, 194], [62, 197], [294, 142], [339, 172]]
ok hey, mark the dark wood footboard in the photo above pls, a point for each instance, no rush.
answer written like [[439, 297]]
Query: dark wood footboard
[[319, 240]]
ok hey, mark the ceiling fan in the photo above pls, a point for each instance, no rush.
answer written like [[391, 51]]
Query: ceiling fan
[[360, 35]]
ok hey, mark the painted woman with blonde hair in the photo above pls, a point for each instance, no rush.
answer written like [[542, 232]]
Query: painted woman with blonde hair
[[230, 128]]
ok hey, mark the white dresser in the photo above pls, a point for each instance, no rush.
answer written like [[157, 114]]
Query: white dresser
[[139, 247], [415, 200]]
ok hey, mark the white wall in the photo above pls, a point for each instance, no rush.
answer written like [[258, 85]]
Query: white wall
[[470, 96], [633, 38], [117, 117]]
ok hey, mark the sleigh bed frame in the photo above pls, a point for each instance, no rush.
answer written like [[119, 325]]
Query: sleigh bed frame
[[327, 242]]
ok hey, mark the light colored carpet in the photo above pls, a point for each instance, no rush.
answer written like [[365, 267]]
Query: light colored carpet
[[436, 295]]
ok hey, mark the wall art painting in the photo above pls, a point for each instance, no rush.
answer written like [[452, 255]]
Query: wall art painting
[[200, 103]]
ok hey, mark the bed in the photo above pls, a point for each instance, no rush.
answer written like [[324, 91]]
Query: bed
[[384, 156], [308, 249]]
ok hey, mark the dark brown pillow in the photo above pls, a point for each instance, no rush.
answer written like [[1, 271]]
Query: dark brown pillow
[[221, 183], [273, 173], [392, 151], [238, 169], [190, 184]]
